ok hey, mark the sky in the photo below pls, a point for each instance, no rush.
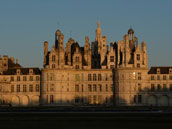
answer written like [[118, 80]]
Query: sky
[[26, 24]]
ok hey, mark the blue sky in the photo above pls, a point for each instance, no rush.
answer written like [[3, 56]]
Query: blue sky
[[26, 24]]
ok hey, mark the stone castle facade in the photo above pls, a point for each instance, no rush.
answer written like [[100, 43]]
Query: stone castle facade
[[97, 74]]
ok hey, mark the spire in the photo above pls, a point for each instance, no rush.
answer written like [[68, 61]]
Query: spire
[[98, 24]]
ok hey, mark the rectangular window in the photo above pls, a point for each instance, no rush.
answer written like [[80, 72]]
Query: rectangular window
[[94, 77], [106, 88], [139, 98], [94, 88], [170, 87], [37, 78], [89, 77], [76, 88], [30, 88], [106, 77], [111, 58], [152, 77], [139, 87], [37, 87], [112, 66], [164, 77], [18, 78], [139, 76], [89, 88], [12, 78], [138, 65], [76, 77], [52, 87], [158, 87], [51, 99], [12, 88], [158, 77], [18, 88], [138, 57], [82, 88], [24, 88], [31, 78], [152, 87], [135, 99], [164, 87], [100, 87], [24, 78], [170, 77], [99, 77]]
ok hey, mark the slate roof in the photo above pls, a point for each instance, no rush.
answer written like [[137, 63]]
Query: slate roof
[[163, 70], [23, 71]]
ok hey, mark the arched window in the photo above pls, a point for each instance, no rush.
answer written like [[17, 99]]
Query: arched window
[[77, 67]]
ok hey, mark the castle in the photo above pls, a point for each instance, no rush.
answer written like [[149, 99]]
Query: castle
[[97, 74]]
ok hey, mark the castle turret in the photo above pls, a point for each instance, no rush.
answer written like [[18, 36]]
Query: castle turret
[[45, 52]]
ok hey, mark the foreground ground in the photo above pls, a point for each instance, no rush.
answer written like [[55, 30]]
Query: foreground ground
[[85, 120]]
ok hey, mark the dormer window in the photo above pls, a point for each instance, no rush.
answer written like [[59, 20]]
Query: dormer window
[[30, 71], [77, 59], [138, 57], [111, 58], [158, 71], [53, 58], [18, 71], [170, 70]]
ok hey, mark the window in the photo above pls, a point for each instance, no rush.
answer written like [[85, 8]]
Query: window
[[77, 59], [111, 58], [94, 77], [53, 66], [111, 66], [164, 87], [18, 88], [99, 77], [138, 57], [139, 98], [94, 88], [106, 88], [82, 88], [170, 87], [152, 77], [37, 78], [89, 77], [139, 76], [152, 87], [76, 100], [31, 78], [77, 77], [106, 77], [100, 87], [52, 87], [24, 78], [12, 88], [170, 77], [76, 66], [138, 65], [76, 88], [37, 87], [53, 58], [139, 87], [51, 99], [12, 78], [164, 77], [30, 88], [158, 77], [135, 99], [24, 88], [89, 88], [158, 87], [18, 78]]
